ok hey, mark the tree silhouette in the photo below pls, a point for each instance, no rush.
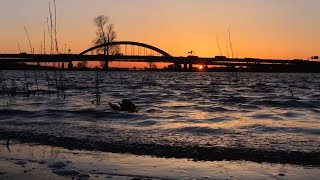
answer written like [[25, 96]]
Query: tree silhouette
[[152, 65], [105, 34], [82, 65]]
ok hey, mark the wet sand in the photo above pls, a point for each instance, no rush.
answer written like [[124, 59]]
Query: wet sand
[[31, 161]]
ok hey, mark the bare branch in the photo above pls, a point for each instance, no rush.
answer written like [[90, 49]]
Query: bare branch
[[219, 45], [231, 47], [29, 40], [105, 34]]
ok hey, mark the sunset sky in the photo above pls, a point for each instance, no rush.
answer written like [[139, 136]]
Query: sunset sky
[[259, 28]]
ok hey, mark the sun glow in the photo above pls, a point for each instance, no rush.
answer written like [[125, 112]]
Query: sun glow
[[201, 67]]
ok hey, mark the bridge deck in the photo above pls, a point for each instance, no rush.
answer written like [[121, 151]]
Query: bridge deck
[[177, 60]]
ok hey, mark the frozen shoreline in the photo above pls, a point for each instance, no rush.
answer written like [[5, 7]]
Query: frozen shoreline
[[46, 162]]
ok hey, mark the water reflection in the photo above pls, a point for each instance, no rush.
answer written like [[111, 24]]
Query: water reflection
[[48, 160], [251, 110]]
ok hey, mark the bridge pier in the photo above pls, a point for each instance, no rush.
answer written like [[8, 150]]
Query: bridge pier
[[70, 65], [205, 67], [106, 65], [190, 66], [185, 66], [177, 66]]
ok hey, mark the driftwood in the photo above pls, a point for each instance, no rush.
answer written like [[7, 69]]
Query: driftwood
[[125, 105]]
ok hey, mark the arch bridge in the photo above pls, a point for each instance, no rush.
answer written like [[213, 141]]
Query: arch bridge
[[131, 51], [132, 43], [126, 50]]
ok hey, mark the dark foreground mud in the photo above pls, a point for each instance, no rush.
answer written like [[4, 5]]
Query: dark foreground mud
[[196, 153]]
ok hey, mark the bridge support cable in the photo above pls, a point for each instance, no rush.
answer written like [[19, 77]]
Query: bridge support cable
[[163, 53]]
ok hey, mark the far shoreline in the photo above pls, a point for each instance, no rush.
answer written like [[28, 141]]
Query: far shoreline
[[157, 70]]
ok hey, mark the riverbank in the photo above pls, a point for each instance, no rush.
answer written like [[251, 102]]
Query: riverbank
[[31, 161]]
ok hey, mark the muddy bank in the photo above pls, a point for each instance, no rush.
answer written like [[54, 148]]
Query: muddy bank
[[31, 161], [197, 153]]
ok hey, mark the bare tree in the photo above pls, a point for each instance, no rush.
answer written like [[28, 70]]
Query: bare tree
[[82, 64], [105, 34], [152, 65]]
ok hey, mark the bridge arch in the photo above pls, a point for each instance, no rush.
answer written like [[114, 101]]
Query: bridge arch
[[127, 43]]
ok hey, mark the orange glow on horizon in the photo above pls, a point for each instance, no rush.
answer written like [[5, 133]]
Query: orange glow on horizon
[[192, 25]]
